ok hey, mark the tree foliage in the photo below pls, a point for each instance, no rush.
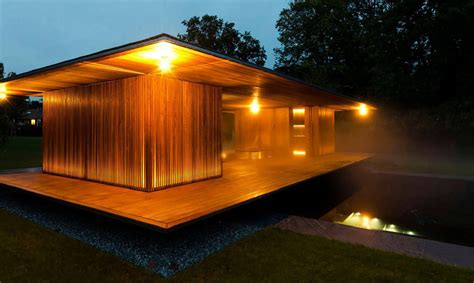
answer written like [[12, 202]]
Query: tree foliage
[[214, 33], [11, 110], [413, 56]]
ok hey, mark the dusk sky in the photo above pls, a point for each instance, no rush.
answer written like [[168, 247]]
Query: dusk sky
[[38, 33]]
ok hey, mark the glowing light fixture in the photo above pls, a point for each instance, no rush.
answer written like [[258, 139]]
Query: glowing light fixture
[[363, 109], [3, 92], [33, 122], [299, 152], [298, 110], [366, 222], [254, 106], [165, 66], [165, 50], [357, 219], [164, 53], [224, 155]]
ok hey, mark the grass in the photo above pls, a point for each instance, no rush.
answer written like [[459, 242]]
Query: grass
[[31, 252], [21, 152]]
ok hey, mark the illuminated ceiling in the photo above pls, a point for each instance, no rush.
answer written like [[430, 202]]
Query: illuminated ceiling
[[240, 81]]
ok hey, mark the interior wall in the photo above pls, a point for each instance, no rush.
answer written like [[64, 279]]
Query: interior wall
[[281, 132], [268, 130], [319, 130], [147, 132], [326, 131]]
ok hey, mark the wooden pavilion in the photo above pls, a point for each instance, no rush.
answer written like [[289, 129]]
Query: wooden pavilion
[[164, 132]]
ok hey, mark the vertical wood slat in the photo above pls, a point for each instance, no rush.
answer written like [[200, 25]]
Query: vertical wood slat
[[267, 130], [326, 131], [147, 132], [312, 137], [319, 130]]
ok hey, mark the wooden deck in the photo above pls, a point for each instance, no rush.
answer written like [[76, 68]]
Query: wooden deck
[[243, 181]]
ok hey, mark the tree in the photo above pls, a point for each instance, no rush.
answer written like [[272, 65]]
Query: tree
[[3, 74], [213, 33], [315, 36], [11, 110], [414, 57]]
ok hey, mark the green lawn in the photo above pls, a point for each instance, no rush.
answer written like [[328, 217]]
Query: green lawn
[[31, 252], [21, 152]]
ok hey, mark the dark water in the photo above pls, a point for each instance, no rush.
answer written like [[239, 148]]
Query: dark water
[[433, 208]]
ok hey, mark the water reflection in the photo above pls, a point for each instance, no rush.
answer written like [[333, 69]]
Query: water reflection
[[437, 209], [357, 219]]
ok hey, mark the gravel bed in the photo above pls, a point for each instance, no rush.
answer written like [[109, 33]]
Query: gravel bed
[[163, 253]]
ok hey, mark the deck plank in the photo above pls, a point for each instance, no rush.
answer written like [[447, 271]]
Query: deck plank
[[243, 181]]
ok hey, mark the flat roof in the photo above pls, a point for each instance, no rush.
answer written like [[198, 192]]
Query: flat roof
[[240, 81], [243, 181]]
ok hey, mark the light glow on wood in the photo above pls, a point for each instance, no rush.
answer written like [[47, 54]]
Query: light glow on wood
[[165, 66], [268, 131], [147, 132], [298, 110], [299, 152], [255, 106], [3, 92], [164, 54], [363, 109]]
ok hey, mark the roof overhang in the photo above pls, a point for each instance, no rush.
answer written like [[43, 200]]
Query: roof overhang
[[240, 81]]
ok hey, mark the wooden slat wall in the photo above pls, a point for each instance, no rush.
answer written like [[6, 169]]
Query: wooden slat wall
[[326, 131], [267, 130], [64, 148], [319, 130], [188, 129], [312, 137], [147, 132]]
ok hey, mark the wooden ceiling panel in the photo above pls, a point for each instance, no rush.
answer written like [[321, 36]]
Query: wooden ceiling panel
[[240, 81]]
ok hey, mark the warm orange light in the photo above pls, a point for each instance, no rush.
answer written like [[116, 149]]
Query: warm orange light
[[223, 155], [165, 50], [254, 106], [3, 96], [165, 66], [298, 126], [363, 109], [299, 152], [298, 110], [164, 53]]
